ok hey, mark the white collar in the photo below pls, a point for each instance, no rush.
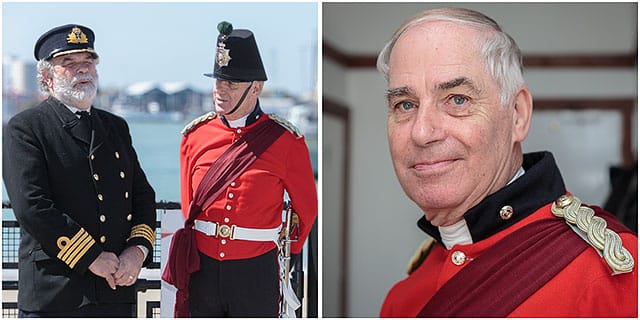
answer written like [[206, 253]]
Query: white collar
[[74, 109], [239, 122], [459, 233]]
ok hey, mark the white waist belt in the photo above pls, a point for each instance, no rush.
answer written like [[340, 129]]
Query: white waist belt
[[234, 232]]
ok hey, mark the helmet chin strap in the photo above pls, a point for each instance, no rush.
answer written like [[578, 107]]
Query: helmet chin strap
[[244, 95]]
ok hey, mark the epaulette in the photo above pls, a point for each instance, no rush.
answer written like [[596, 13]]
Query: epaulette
[[593, 229], [421, 254], [197, 121], [286, 124]]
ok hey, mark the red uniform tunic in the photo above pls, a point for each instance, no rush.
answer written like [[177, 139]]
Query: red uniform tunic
[[584, 288], [255, 199]]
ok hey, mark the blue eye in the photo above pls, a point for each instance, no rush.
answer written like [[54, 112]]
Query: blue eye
[[459, 100], [406, 105]]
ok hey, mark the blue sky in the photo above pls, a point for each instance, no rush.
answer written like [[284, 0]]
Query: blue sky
[[169, 42]]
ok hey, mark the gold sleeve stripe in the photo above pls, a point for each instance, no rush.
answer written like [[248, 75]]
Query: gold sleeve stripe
[[143, 235], [74, 247], [66, 246], [81, 253], [71, 251], [143, 231]]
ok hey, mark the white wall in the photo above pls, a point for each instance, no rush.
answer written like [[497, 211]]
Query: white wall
[[382, 230]]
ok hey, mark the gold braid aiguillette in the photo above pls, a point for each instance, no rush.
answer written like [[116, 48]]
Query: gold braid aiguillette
[[606, 241]]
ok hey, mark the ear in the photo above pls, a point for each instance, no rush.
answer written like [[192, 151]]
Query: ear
[[48, 79], [522, 112], [257, 88]]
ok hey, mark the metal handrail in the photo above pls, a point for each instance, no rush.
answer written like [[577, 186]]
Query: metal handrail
[[161, 205]]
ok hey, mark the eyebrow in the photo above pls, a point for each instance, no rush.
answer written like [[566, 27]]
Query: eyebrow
[[69, 59], [457, 82], [398, 92]]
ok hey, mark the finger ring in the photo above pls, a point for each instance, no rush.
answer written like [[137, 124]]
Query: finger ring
[[130, 277]]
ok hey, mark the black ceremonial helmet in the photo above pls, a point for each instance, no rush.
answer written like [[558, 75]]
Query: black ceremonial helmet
[[237, 57]]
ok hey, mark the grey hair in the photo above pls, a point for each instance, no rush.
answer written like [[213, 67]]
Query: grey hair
[[500, 53], [46, 66]]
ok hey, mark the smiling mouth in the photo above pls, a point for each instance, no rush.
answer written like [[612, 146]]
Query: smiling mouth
[[220, 101], [433, 166]]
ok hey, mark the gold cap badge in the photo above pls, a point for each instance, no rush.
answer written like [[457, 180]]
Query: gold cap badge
[[222, 55], [77, 36]]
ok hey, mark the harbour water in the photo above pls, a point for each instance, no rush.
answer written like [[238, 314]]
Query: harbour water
[[157, 144]]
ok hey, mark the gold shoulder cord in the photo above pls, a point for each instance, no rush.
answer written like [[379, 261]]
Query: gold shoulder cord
[[286, 124], [604, 240], [203, 118]]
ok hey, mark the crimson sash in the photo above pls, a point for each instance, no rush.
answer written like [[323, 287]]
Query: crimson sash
[[499, 280], [183, 254]]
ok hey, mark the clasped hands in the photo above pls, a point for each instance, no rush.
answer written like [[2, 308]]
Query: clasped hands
[[120, 270]]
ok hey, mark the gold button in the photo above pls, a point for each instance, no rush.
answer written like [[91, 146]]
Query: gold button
[[126, 194], [103, 218], [564, 201], [506, 212], [100, 196], [121, 174], [96, 177], [458, 258], [129, 217], [103, 239], [117, 155]]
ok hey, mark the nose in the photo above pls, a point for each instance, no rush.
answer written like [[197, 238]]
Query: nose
[[83, 67], [428, 126]]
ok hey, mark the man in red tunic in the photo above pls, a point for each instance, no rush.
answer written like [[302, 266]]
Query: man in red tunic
[[509, 239], [236, 234]]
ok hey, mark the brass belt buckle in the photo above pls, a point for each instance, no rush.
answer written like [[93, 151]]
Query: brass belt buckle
[[225, 231]]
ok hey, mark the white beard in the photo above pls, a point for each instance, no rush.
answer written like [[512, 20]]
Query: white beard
[[64, 90]]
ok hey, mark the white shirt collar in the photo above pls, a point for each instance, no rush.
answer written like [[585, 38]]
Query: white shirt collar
[[238, 123], [74, 109], [459, 233]]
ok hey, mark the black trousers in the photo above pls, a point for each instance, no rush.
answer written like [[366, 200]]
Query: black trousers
[[247, 288], [110, 310]]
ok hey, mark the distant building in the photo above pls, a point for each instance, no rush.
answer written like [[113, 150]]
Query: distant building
[[18, 76], [173, 101]]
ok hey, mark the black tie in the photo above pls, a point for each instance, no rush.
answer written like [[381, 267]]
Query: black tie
[[85, 124], [85, 116]]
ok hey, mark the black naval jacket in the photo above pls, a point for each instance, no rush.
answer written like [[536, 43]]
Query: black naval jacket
[[73, 203]]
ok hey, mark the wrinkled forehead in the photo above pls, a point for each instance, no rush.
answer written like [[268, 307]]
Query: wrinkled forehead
[[437, 42], [436, 32], [435, 52]]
